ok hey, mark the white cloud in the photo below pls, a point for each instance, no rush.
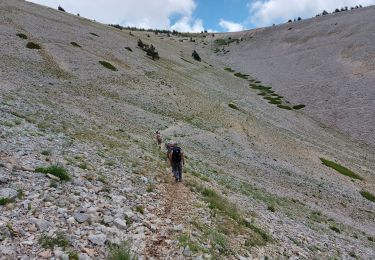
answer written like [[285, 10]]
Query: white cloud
[[267, 12], [188, 24], [231, 26], [140, 13]]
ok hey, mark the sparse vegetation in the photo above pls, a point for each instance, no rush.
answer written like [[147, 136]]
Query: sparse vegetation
[[233, 105], [129, 49], [120, 252], [368, 195], [22, 36], [56, 170], [297, 107], [58, 240], [284, 107], [335, 229], [108, 65], [139, 209], [46, 152], [229, 70], [75, 44], [94, 34], [341, 169], [4, 201], [240, 75], [218, 202], [32, 45]]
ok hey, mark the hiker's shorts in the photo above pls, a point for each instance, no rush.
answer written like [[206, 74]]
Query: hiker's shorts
[[177, 170]]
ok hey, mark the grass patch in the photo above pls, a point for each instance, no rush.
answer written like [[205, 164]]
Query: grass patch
[[335, 229], [185, 240], [139, 209], [341, 169], [58, 240], [233, 105], [32, 45], [240, 75], [229, 69], [108, 65], [83, 166], [56, 170], [275, 101], [22, 36], [284, 107], [46, 152], [368, 195], [94, 34], [271, 208], [120, 252], [4, 201], [75, 44], [150, 188], [218, 202], [297, 107]]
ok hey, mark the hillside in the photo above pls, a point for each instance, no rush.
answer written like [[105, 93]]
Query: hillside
[[254, 183]]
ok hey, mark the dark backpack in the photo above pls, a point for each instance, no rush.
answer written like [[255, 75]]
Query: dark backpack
[[176, 155]]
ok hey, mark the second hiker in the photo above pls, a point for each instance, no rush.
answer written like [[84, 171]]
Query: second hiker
[[176, 158]]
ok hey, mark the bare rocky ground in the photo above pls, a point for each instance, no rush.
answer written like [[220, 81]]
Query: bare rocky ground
[[254, 186]]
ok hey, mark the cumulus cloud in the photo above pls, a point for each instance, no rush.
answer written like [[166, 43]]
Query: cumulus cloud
[[230, 26], [267, 12], [140, 13]]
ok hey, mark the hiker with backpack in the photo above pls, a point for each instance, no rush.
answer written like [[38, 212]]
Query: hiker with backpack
[[176, 158]]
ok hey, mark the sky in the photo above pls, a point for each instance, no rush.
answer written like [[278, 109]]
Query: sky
[[199, 15]]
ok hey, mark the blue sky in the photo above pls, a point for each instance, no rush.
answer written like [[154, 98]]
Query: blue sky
[[199, 15]]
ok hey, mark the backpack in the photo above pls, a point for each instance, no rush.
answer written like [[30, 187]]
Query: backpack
[[176, 155]]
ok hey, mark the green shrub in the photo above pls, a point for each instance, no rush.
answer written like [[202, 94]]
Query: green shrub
[[284, 107], [32, 45], [94, 34], [341, 169], [46, 153], [196, 56], [56, 170], [335, 229], [297, 107], [50, 242], [275, 101], [120, 252], [240, 75], [22, 36], [233, 105], [4, 201], [229, 70], [75, 44], [368, 195], [108, 65], [271, 208]]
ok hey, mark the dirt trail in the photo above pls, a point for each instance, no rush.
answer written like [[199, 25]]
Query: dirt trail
[[178, 205]]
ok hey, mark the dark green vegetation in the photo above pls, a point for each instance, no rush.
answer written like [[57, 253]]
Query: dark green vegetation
[[75, 44], [219, 203], [335, 229], [196, 56], [297, 107], [229, 40], [94, 34], [149, 49], [233, 105], [32, 45], [58, 240], [22, 36], [229, 69], [46, 153], [120, 252], [128, 48], [284, 107], [4, 201], [368, 195], [108, 65], [341, 169], [56, 170], [240, 75]]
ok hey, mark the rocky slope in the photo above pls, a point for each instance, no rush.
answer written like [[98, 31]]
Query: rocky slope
[[254, 185]]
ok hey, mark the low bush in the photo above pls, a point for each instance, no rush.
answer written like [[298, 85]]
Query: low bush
[[341, 169], [233, 105], [284, 107], [58, 240], [196, 56], [94, 34], [108, 65], [56, 170], [335, 229], [120, 252], [22, 36], [240, 75], [32, 45], [128, 48], [61, 9], [75, 44], [297, 107], [368, 195], [229, 70]]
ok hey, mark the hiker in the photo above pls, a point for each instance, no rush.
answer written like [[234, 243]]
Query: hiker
[[176, 158], [159, 138], [169, 146]]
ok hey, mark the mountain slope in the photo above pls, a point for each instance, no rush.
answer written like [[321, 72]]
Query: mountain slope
[[254, 184]]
